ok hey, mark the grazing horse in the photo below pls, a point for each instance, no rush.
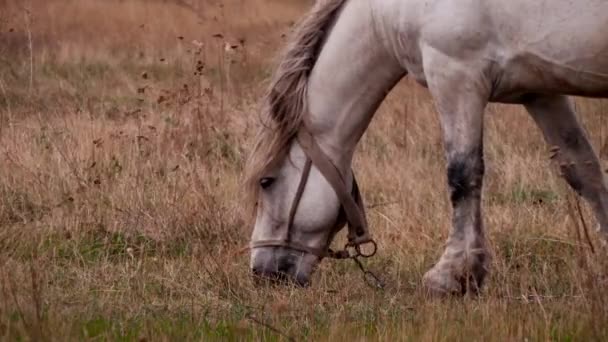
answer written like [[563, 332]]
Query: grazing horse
[[343, 59]]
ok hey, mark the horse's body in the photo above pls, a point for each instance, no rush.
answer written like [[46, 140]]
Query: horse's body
[[468, 53], [523, 47]]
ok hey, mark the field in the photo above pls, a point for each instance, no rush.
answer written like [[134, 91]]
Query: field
[[125, 127]]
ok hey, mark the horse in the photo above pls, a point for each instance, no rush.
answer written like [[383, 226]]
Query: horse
[[343, 59]]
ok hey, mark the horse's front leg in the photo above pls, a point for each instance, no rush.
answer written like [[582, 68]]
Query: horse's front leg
[[461, 95]]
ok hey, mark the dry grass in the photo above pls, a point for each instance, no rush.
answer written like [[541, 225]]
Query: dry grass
[[121, 153]]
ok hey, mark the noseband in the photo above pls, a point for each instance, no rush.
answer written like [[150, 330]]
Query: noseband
[[351, 207]]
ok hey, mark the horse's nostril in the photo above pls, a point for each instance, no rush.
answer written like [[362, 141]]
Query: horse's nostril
[[257, 270], [284, 266], [279, 268], [302, 280], [262, 276]]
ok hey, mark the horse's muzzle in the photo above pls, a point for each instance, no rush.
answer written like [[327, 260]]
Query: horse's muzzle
[[278, 265]]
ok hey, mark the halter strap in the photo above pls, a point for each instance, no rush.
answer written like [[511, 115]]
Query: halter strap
[[351, 203], [298, 196]]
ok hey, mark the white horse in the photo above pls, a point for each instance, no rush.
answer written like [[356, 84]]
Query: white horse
[[348, 54]]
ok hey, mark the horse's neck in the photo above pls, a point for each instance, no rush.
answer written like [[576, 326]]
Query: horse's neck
[[351, 77]]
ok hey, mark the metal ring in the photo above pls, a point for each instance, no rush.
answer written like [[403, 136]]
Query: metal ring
[[351, 251], [369, 255]]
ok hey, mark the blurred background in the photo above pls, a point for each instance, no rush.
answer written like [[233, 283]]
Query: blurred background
[[125, 127]]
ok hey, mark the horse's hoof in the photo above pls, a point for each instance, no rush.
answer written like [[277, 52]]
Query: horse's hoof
[[441, 283]]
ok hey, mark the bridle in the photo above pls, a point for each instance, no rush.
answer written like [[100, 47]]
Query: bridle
[[352, 211]]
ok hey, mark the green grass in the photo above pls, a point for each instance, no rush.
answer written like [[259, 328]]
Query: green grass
[[112, 287]]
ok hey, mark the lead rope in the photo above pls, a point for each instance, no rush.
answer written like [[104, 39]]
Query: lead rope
[[354, 253], [370, 278]]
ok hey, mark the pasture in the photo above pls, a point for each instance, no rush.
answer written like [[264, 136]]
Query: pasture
[[125, 127]]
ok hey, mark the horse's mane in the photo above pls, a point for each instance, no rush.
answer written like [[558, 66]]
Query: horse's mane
[[284, 104]]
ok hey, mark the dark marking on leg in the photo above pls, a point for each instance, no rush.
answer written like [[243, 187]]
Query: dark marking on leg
[[572, 138], [465, 173], [479, 271], [458, 179]]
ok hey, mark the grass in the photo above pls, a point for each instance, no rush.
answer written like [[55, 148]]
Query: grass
[[122, 147]]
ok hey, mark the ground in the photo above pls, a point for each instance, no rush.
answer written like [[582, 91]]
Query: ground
[[124, 132]]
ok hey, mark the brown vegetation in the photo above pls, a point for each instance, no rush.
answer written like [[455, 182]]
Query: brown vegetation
[[124, 127]]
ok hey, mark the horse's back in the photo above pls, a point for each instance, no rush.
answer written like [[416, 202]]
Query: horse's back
[[568, 32], [558, 46]]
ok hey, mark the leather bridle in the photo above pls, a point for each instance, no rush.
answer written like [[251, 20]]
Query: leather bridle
[[352, 209]]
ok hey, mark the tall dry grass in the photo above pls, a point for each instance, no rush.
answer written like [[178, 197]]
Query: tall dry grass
[[124, 126]]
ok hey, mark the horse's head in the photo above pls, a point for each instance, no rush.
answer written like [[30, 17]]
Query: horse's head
[[302, 203], [298, 213]]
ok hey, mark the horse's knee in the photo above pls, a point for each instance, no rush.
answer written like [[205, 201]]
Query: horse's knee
[[465, 175]]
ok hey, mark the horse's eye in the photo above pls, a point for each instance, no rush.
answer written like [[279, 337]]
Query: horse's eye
[[266, 182]]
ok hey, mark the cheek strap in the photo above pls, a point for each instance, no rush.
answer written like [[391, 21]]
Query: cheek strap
[[352, 203]]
